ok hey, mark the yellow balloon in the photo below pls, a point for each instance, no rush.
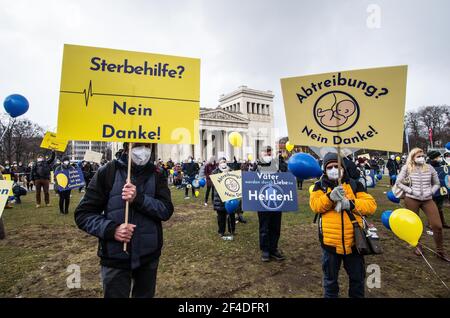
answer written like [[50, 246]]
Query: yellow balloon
[[406, 225], [289, 147], [62, 180], [171, 171], [196, 193], [311, 188], [235, 139], [397, 158], [250, 157]]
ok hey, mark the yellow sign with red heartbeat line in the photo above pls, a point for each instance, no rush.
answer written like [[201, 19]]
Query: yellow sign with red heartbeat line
[[114, 95]]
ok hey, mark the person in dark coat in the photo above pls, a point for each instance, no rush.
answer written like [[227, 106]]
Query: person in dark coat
[[223, 218], [442, 194], [393, 168], [64, 194], [209, 168], [269, 221], [101, 214], [40, 175], [190, 170], [28, 177]]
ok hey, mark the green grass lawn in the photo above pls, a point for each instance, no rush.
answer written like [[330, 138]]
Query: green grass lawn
[[195, 262]]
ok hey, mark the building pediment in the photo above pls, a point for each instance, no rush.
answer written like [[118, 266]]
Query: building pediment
[[222, 115]]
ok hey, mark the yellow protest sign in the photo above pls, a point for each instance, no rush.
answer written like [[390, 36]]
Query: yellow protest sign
[[5, 192], [114, 95], [228, 184], [359, 109], [51, 141], [7, 177]]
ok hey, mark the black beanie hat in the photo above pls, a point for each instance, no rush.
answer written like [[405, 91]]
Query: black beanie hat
[[433, 154], [329, 157]]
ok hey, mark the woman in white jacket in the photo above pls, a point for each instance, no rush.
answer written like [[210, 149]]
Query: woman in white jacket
[[419, 180]]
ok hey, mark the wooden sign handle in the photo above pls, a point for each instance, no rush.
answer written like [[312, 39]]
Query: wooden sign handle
[[127, 204]]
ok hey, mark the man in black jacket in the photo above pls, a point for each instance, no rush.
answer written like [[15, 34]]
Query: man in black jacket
[[393, 168], [190, 170], [101, 213], [40, 176], [269, 221]]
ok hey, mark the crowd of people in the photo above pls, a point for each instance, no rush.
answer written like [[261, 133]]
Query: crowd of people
[[338, 196]]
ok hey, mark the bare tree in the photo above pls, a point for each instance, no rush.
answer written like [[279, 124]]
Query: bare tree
[[21, 141]]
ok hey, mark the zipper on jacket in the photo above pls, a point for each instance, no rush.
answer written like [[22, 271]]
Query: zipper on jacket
[[343, 238]]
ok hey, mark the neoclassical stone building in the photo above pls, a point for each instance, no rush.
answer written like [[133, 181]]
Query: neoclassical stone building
[[245, 110]]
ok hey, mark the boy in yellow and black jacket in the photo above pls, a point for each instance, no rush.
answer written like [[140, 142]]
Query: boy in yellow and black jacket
[[331, 201]]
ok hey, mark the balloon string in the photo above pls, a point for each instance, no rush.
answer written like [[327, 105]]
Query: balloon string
[[432, 269], [423, 245]]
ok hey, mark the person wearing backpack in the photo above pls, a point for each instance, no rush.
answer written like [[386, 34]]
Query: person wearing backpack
[[420, 181], [40, 176], [101, 213], [334, 203]]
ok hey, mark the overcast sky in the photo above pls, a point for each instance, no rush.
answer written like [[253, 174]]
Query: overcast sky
[[243, 42]]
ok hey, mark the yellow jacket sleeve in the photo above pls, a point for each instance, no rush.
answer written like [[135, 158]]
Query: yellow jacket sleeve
[[320, 202], [365, 204]]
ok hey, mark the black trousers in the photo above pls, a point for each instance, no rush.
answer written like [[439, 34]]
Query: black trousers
[[269, 231], [354, 266], [208, 189], [186, 191], [123, 283], [223, 220], [64, 201], [299, 183]]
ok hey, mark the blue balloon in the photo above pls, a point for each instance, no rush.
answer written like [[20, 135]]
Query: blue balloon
[[231, 205], [304, 166], [16, 105], [195, 183], [175, 173], [385, 218], [447, 146], [379, 176], [390, 195], [394, 177], [202, 182]]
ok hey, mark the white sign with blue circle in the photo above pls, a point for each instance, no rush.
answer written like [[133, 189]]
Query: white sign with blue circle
[[269, 192]]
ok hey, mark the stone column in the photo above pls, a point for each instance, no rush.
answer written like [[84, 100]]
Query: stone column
[[198, 146], [208, 143], [227, 145]]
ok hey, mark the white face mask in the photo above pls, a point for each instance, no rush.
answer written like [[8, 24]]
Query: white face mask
[[392, 157], [140, 155], [420, 160], [333, 174], [223, 167], [66, 162], [40, 160], [267, 159]]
